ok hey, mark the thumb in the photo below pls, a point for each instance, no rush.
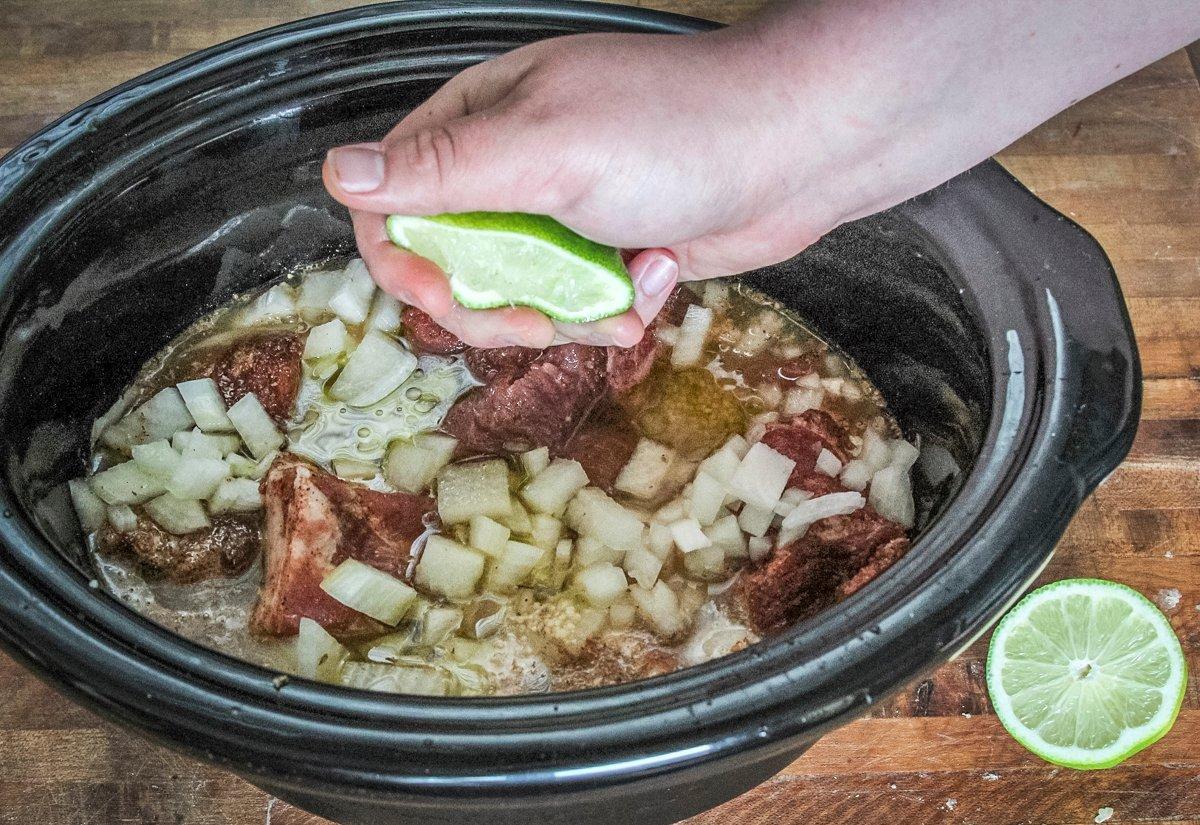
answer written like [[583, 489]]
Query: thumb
[[478, 162]]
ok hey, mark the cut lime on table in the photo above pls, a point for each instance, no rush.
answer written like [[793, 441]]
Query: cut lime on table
[[1085, 673], [500, 259]]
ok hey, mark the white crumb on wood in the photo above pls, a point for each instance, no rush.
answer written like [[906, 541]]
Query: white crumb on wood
[[1103, 815], [1168, 598]]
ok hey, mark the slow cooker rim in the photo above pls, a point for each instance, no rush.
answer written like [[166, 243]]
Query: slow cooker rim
[[291, 697]]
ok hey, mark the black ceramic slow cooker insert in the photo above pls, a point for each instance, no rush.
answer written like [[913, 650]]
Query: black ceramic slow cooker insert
[[993, 325]]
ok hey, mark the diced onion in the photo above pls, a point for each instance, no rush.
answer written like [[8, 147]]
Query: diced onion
[[707, 563], [236, 495], [759, 548], [158, 458], [815, 509], [692, 334], [553, 487], [828, 463], [315, 291], [122, 518], [197, 444], [601, 583], [904, 455], [762, 476], [891, 495], [276, 304], [328, 340], [876, 450], [545, 531], [352, 300], [857, 474], [487, 535], [318, 655], [689, 536], [642, 476], [756, 520], [255, 426], [372, 592], [177, 515], [722, 464], [374, 370], [448, 569], [708, 495], [473, 488], [660, 607], [802, 399], [126, 484], [589, 551], [659, 541], [727, 534], [412, 465], [516, 561], [88, 506], [354, 469], [385, 313], [206, 405], [197, 478], [534, 461], [592, 513], [642, 566]]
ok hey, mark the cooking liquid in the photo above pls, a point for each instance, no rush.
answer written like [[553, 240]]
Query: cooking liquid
[[756, 350]]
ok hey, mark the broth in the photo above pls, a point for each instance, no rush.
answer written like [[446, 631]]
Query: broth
[[436, 519]]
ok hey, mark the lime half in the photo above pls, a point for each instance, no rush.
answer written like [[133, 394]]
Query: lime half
[[1085, 673], [499, 259]]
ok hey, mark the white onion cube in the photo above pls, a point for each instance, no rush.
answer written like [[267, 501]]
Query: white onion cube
[[88, 506], [385, 313], [177, 515], [891, 495], [762, 476], [449, 569], [553, 487], [693, 332], [642, 476], [815, 509], [828, 463], [328, 340], [235, 495], [602, 584], [689, 536], [708, 495], [255, 426], [122, 518], [205, 403], [126, 484], [351, 301], [197, 478], [374, 370]]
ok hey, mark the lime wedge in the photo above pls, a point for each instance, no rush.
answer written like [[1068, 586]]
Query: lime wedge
[[499, 259], [1085, 673]]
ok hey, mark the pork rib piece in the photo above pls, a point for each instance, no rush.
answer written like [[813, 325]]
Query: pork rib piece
[[314, 521]]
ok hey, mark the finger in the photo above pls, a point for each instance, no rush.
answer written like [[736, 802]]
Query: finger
[[622, 330], [486, 161], [410, 278], [655, 272], [507, 327]]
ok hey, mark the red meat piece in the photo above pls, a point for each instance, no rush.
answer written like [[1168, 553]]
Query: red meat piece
[[528, 403], [603, 449], [426, 335], [267, 365], [315, 521], [836, 557], [629, 366]]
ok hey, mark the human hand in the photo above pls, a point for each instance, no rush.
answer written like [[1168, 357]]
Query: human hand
[[638, 141]]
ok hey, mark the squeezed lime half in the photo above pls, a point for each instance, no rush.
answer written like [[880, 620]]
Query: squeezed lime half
[[1085, 673], [499, 259]]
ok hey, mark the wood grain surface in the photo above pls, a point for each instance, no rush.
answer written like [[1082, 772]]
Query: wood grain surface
[[1124, 163]]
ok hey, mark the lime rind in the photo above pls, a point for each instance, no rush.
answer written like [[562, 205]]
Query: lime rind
[[500, 259], [1139, 664]]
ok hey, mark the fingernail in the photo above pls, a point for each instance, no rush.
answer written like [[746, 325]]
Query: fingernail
[[659, 275], [357, 168]]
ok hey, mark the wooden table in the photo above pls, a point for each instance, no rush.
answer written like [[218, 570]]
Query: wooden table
[[1124, 163]]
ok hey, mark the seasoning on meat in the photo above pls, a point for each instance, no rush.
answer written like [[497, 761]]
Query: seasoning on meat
[[267, 365], [314, 521], [837, 556], [224, 549]]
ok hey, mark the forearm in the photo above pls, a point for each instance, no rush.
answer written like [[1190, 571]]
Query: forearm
[[895, 96]]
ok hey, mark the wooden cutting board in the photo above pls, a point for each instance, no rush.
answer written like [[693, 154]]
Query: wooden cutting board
[[1124, 163]]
